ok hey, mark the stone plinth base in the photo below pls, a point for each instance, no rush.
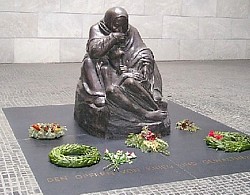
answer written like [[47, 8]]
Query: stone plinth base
[[112, 122]]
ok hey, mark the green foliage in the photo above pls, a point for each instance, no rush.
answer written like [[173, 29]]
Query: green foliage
[[187, 125], [146, 141], [117, 159], [228, 141], [74, 155]]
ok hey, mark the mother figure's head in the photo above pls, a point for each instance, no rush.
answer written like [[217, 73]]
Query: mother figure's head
[[116, 20]]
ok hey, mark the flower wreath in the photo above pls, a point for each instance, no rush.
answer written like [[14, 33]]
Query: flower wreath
[[187, 125], [228, 141], [74, 155], [147, 141], [46, 130]]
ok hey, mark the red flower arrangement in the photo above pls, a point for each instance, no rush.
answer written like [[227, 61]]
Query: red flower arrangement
[[215, 135], [46, 127], [228, 141], [147, 141], [46, 130], [148, 135], [187, 125]]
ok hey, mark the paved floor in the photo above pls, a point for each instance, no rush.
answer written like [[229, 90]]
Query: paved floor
[[217, 89]]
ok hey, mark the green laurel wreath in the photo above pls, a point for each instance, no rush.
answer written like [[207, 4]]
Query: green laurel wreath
[[74, 155], [228, 141]]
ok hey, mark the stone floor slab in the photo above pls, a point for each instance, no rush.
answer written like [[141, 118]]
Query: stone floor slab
[[217, 89], [190, 157]]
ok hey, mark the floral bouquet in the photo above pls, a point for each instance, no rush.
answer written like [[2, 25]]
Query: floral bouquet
[[147, 141], [187, 125], [46, 130], [117, 159], [228, 141]]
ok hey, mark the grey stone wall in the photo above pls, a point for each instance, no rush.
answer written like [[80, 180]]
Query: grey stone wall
[[34, 31]]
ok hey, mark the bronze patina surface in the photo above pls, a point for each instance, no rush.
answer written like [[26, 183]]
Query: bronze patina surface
[[120, 87]]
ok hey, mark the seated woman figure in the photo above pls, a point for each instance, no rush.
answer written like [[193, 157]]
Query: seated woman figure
[[120, 85]]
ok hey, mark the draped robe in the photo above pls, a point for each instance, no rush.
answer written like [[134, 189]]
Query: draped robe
[[101, 67]]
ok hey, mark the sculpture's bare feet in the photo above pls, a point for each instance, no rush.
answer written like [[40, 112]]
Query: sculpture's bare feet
[[157, 115]]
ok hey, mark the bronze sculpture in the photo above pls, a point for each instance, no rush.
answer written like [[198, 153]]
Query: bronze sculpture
[[120, 87]]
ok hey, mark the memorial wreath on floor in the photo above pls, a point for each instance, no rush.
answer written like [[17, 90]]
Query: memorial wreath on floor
[[46, 130], [187, 125], [228, 141], [147, 141], [74, 155]]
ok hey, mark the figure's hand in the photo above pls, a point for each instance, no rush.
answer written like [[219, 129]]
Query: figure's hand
[[123, 68], [157, 96], [127, 75], [120, 37], [135, 75], [146, 71]]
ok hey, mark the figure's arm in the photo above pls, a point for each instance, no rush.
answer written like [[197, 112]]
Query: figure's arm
[[99, 45]]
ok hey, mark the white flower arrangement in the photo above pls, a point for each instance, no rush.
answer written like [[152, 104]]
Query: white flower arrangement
[[46, 130]]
